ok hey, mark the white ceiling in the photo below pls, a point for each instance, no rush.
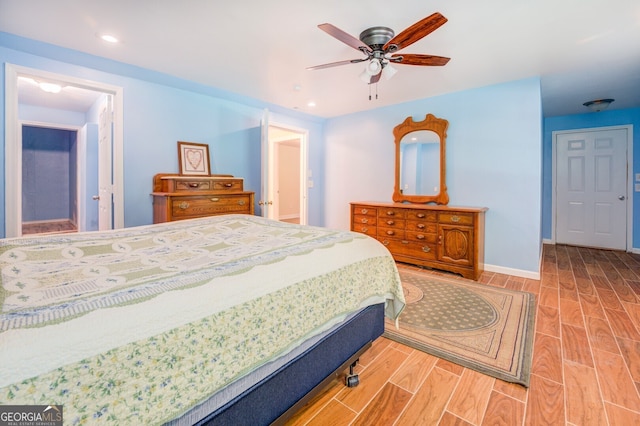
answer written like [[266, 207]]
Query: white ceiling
[[581, 49]]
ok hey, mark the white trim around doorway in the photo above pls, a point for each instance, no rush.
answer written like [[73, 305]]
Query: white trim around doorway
[[630, 178], [13, 149]]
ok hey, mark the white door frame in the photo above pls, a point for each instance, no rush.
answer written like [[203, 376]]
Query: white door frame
[[630, 180], [13, 144]]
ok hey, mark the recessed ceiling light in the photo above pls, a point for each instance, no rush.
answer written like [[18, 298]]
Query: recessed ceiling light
[[28, 80], [50, 87], [109, 38], [311, 104]]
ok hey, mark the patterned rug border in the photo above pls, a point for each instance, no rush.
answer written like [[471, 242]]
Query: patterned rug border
[[525, 349]]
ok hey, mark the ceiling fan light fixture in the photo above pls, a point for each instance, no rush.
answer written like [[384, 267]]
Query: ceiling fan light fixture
[[388, 71], [373, 67], [598, 105]]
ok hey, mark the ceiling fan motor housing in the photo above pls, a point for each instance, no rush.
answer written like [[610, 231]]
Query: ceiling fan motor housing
[[376, 37]]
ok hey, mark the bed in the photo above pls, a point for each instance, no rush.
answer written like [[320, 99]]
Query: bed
[[229, 319]]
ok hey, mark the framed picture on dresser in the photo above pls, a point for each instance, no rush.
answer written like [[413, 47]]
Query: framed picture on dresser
[[194, 159]]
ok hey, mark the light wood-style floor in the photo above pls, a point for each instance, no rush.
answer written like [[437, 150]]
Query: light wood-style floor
[[586, 360]]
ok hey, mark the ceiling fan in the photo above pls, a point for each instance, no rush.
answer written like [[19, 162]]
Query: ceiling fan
[[380, 43]]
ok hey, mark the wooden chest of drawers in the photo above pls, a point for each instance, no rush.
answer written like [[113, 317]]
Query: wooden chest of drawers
[[440, 237], [178, 197]]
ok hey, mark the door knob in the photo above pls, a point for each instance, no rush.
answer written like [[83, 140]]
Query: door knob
[[95, 197], [621, 197]]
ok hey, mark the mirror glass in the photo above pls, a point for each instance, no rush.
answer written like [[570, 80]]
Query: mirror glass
[[420, 161], [419, 153]]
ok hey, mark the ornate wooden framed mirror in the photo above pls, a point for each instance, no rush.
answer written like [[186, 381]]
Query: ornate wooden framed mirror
[[420, 161]]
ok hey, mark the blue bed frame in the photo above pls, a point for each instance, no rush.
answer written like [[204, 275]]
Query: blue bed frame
[[280, 395]]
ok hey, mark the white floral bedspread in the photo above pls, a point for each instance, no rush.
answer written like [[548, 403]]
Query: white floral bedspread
[[136, 326]]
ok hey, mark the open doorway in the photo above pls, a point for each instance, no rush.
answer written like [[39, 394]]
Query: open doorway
[[49, 180], [79, 105], [288, 174]]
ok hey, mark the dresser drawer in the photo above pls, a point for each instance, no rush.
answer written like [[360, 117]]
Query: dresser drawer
[[410, 249], [456, 218], [421, 237], [232, 185], [396, 233], [422, 215], [392, 222], [365, 211], [184, 207], [364, 220], [390, 212], [365, 229], [428, 227]]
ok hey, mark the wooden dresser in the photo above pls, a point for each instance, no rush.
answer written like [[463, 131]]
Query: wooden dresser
[[440, 237], [178, 197]]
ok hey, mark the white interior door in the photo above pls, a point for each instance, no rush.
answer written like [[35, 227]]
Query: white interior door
[[591, 188], [266, 161], [105, 185]]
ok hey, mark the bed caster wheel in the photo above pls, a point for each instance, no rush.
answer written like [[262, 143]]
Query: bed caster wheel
[[352, 380]]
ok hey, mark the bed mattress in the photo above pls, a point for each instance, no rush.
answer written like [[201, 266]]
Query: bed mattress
[[140, 325]]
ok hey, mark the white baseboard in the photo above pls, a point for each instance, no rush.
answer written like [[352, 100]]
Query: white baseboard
[[515, 272]]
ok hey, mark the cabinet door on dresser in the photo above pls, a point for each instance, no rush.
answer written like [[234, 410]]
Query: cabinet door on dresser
[[456, 237]]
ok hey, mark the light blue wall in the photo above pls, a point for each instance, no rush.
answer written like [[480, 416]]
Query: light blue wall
[[494, 160], [497, 153], [583, 121], [160, 110]]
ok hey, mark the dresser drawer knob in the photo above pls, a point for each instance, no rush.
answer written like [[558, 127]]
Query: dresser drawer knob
[[426, 249], [385, 242], [390, 222], [390, 232], [364, 220], [183, 205], [215, 199], [364, 211], [241, 202], [421, 215], [193, 184], [455, 218], [420, 237], [421, 226], [228, 185], [390, 213], [364, 229]]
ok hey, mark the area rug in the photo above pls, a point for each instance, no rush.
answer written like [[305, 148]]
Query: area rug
[[484, 328]]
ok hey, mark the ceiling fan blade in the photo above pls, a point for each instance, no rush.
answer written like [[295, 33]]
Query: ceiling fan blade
[[346, 38], [335, 64], [411, 59], [417, 31]]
